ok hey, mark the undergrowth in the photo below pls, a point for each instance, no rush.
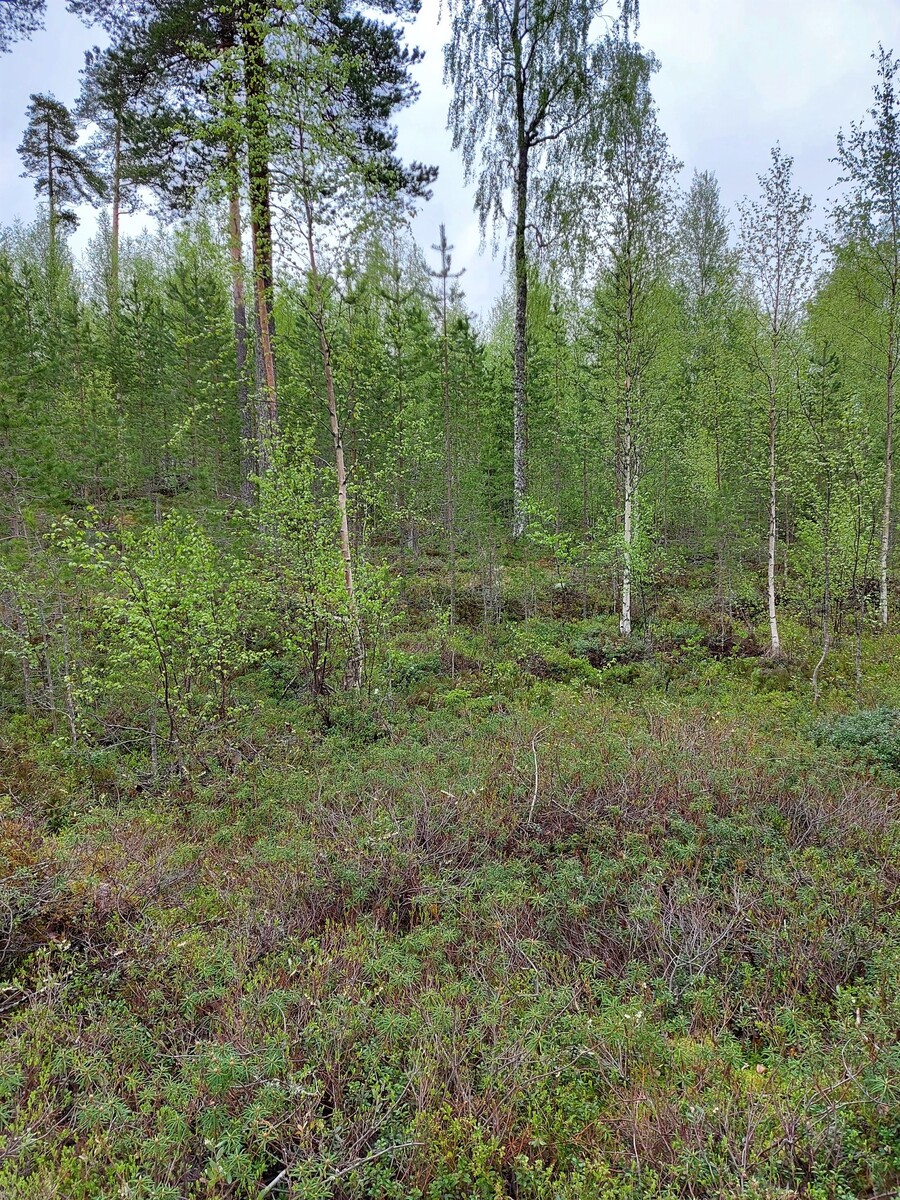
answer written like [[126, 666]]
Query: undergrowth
[[543, 914]]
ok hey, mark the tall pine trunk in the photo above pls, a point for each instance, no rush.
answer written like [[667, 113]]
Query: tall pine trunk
[[239, 315], [114, 233], [51, 204], [114, 285], [259, 179]]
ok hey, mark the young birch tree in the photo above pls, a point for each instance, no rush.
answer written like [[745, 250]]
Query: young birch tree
[[707, 273], [867, 226], [340, 165], [777, 245], [527, 77], [635, 196]]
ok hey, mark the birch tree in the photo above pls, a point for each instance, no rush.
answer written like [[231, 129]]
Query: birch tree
[[867, 226], [707, 274], [527, 76], [777, 245], [634, 195]]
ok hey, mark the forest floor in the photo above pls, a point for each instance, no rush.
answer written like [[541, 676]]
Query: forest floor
[[547, 916]]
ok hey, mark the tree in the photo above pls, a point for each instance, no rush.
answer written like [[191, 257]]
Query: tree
[[706, 271], [867, 226], [227, 67], [181, 67], [704, 260], [845, 329], [61, 172], [336, 168], [19, 19], [445, 275], [364, 69], [310, 193], [634, 196], [777, 245], [526, 76], [406, 332], [110, 101]]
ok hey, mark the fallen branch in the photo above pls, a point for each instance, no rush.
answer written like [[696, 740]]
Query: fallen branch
[[336, 1175], [534, 794]]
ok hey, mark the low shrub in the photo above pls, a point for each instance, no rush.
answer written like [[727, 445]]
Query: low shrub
[[872, 736]]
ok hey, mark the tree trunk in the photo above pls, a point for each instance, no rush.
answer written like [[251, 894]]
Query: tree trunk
[[356, 660], [773, 523], [888, 481], [114, 233], [826, 594], [114, 237], [628, 506], [51, 205], [353, 674], [239, 312], [450, 515], [258, 173], [520, 478]]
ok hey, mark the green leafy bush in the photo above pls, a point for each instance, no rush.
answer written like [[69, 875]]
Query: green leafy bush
[[872, 735], [169, 631], [302, 596]]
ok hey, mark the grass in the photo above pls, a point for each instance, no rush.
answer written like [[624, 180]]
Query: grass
[[548, 917]]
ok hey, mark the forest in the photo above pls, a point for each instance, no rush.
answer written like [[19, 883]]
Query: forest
[[442, 756]]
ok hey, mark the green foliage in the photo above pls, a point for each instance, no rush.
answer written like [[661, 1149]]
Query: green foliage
[[872, 736], [307, 611], [395, 935], [171, 629], [62, 172]]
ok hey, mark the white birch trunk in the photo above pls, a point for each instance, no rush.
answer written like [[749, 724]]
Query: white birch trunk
[[773, 528], [888, 487], [354, 670], [625, 618]]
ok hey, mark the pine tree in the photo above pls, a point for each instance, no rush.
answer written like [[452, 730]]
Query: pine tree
[[62, 172], [111, 99], [19, 19]]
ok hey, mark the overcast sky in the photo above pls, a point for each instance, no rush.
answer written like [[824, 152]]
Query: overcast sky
[[737, 76]]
